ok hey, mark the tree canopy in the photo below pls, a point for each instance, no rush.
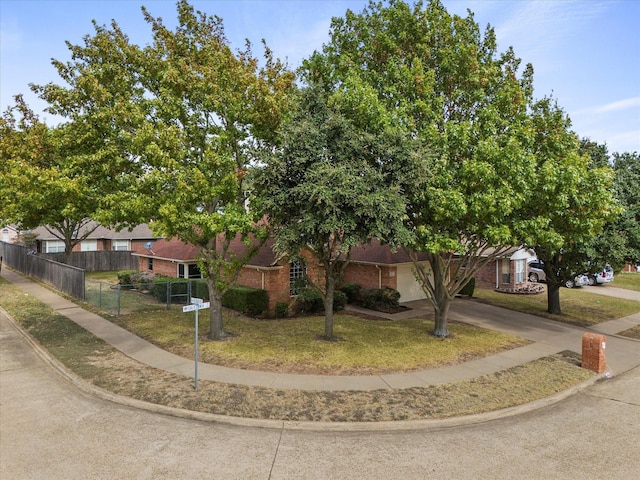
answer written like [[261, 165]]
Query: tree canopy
[[330, 187], [572, 199], [180, 121], [45, 179], [467, 105]]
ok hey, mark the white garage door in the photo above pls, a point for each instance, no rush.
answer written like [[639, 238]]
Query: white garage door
[[408, 286]]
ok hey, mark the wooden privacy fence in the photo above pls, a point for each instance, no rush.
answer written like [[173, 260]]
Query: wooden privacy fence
[[66, 278], [100, 261]]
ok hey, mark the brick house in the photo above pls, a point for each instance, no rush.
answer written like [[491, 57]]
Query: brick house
[[8, 234], [372, 266], [508, 272]]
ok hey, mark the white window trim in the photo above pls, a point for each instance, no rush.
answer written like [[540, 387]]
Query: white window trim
[[116, 245], [53, 246], [89, 246]]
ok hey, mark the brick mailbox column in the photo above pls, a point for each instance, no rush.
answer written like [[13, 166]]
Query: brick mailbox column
[[593, 352]]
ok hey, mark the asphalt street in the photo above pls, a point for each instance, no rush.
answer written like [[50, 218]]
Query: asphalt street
[[51, 429]]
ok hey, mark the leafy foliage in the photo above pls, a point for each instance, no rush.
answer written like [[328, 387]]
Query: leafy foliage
[[179, 123], [46, 177], [331, 186]]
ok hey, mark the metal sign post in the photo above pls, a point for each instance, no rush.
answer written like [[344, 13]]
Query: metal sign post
[[196, 305]]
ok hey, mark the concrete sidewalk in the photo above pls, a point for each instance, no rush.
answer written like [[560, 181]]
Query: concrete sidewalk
[[548, 337]]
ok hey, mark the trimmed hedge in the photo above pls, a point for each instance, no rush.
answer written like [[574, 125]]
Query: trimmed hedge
[[246, 300], [380, 298], [352, 291], [310, 301], [281, 310]]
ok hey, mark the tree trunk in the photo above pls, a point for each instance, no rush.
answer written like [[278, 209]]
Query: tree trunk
[[216, 331], [441, 315], [553, 297], [441, 299], [328, 308]]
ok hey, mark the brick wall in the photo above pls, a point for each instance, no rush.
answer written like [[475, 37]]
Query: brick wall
[[160, 267], [368, 276], [486, 276]]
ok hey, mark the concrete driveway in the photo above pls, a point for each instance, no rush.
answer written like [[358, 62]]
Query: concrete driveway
[[612, 291]]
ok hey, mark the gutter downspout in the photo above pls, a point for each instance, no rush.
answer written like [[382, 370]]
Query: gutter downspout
[[497, 274], [379, 276], [261, 278]]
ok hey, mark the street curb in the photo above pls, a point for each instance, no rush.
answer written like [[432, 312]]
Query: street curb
[[387, 426]]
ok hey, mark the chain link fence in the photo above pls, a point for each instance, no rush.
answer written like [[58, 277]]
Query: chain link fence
[[120, 299]]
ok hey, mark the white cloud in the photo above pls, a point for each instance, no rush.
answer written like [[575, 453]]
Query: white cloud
[[539, 26], [633, 102]]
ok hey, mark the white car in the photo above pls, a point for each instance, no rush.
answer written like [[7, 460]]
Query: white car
[[578, 281], [536, 274], [605, 276]]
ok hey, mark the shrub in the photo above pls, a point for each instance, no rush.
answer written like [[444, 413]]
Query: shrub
[[339, 300], [246, 300], [176, 287], [469, 288], [200, 289], [281, 310], [124, 277], [142, 280], [380, 298], [308, 301], [352, 291]]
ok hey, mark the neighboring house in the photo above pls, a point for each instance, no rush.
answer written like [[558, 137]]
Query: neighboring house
[[99, 240], [509, 272], [8, 234]]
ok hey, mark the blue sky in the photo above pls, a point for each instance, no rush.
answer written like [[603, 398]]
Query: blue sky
[[585, 53]]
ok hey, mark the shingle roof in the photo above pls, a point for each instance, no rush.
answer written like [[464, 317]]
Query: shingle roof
[[177, 250], [139, 232]]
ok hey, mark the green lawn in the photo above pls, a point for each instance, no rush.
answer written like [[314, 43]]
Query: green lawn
[[629, 280], [365, 346]]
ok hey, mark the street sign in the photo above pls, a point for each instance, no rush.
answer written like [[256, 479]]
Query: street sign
[[197, 306]]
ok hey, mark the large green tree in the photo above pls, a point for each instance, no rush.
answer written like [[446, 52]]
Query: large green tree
[[44, 177], [468, 104], [331, 186], [572, 199], [627, 188], [619, 241], [180, 120]]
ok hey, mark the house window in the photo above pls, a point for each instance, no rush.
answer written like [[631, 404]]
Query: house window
[[150, 265], [54, 246], [191, 269], [520, 271], [5, 235], [506, 270], [120, 245], [194, 271], [89, 246], [297, 271]]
